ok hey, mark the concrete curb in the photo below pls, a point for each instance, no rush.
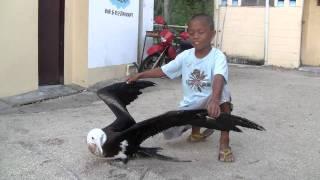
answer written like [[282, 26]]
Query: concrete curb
[[42, 94]]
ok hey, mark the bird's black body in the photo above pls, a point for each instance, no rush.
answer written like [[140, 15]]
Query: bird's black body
[[124, 135]]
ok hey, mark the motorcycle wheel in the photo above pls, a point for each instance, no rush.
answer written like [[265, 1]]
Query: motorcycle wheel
[[149, 61]]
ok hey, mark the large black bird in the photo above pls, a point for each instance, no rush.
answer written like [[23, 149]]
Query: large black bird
[[122, 138]]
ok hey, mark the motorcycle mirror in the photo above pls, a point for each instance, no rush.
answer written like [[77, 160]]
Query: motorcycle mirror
[[184, 35], [159, 20]]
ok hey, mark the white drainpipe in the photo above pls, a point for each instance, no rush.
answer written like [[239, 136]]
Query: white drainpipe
[[266, 33]]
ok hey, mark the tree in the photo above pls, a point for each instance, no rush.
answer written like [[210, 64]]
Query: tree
[[180, 11]]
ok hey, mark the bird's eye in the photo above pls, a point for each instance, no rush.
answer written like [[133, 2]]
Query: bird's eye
[[92, 138]]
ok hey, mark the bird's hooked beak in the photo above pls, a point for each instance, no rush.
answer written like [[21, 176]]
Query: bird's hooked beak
[[95, 140], [92, 148]]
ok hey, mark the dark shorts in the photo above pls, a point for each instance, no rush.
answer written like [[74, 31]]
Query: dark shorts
[[226, 107]]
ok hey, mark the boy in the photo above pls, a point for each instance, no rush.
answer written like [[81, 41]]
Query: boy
[[204, 74]]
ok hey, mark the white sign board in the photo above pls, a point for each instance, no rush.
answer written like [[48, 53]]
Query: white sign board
[[113, 32]]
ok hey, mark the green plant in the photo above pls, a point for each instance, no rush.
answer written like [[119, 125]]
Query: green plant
[[180, 11]]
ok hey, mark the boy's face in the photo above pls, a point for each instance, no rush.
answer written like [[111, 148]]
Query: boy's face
[[200, 34]]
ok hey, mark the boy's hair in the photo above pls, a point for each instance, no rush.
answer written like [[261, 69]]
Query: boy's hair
[[205, 17]]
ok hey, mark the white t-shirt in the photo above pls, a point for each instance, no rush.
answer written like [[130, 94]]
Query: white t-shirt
[[198, 74]]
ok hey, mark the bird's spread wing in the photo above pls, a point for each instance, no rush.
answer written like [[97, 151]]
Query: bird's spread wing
[[118, 95], [225, 122]]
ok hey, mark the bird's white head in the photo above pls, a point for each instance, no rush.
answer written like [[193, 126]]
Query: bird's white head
[[95, 140]]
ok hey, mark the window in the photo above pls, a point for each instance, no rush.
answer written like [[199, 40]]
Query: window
[[292, 3], [234, 2], [253, 2], [223, 2], [256, 2], [280, 3]]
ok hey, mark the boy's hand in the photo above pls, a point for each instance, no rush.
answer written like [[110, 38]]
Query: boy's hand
[[133, 78], [214, 103], [214, 109], [152, 73]]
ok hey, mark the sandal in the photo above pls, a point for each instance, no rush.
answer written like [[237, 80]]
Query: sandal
[[200, 137], [225, 155]]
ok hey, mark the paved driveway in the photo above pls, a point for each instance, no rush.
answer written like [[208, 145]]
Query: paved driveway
[[47, 140]]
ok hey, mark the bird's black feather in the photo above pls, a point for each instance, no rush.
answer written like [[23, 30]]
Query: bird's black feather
[[125, 130], [117, 96], [137, 133], [125, 92]]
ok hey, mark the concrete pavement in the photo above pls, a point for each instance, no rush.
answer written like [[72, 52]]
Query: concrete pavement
[[46, 140]]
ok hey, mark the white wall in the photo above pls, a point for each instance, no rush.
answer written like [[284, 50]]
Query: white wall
[[113, 32], [285, 37], [241, 33]]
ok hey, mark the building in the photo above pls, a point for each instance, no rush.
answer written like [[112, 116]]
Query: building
[[63, 41], [46, 42]]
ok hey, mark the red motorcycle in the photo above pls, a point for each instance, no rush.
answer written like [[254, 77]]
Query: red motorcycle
[[164, 51]]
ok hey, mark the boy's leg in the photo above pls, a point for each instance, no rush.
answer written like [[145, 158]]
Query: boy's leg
[[225, 153], [175, 132], [195, 130], [196, 135]]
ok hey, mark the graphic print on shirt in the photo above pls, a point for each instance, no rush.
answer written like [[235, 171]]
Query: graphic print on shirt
[[197, 80]]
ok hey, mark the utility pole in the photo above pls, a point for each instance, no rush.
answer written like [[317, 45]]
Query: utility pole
[[166, 10]]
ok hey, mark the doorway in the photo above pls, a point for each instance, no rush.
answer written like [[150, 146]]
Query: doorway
[[310, 54], [51, 42]]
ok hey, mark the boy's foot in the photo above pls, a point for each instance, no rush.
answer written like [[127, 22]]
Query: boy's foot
[[225, 155], [201, 136]]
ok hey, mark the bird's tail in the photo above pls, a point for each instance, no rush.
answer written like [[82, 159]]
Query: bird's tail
[[240, 121], [225, 122]]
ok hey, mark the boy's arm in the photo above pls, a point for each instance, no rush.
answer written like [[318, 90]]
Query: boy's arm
[[214, 102], [153, 73]]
